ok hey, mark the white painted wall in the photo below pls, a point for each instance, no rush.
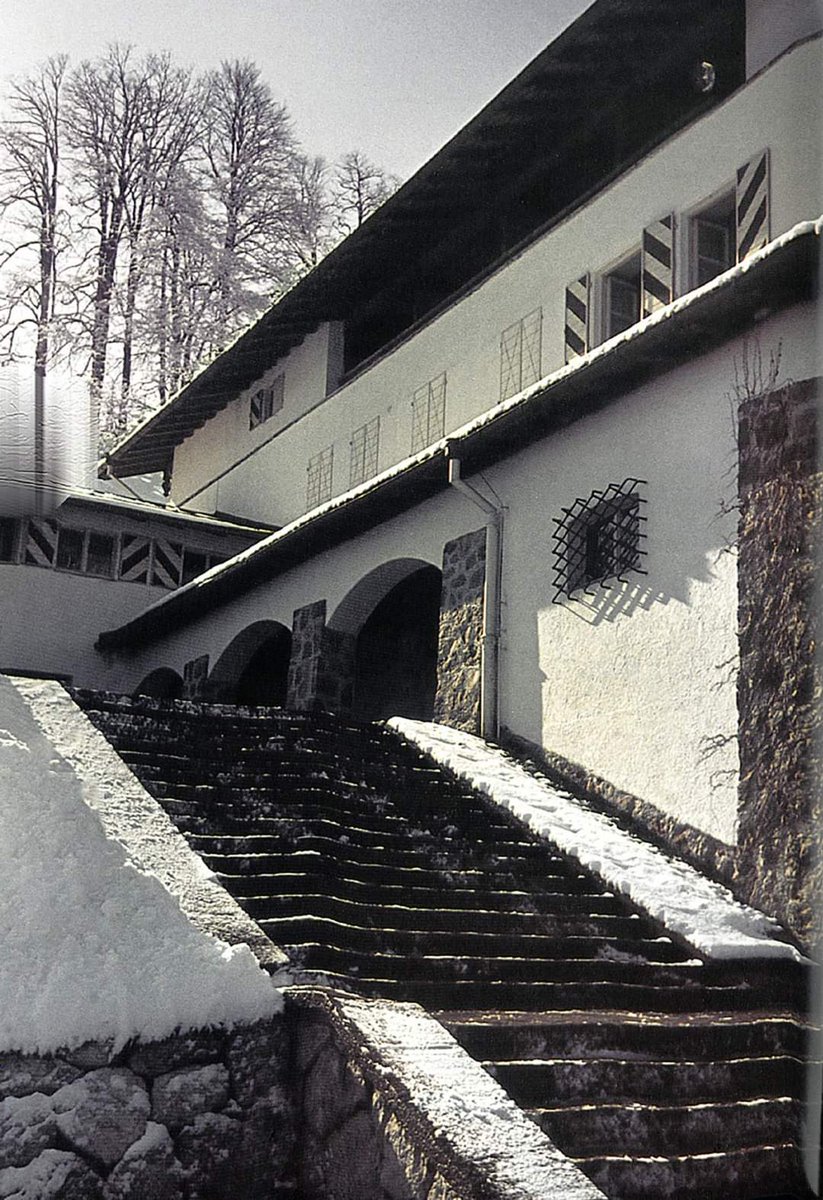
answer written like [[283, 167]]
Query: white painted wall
[[774, 25], [632, 686], [780, 109], [50, 619]]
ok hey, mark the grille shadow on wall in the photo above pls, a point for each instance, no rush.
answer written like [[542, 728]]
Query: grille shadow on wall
[[600, 541]]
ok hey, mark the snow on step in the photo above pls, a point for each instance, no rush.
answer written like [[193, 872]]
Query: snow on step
[[674, 893]]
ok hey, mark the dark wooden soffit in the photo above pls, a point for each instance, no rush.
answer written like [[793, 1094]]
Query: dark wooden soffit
[[787, 275], [534, 139]]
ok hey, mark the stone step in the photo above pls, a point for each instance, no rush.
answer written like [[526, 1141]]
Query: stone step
[[544, 1082], [432, 967], [683, 1129], [568, 1035], [407, 943], [769, 1172], [501, 995], [382, 825], [406, 916], [344, 885]]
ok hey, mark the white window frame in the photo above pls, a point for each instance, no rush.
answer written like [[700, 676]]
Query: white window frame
[[601, 293], [688, 280]]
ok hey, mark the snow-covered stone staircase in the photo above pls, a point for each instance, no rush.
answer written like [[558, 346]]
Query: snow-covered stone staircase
[[660, 1074]]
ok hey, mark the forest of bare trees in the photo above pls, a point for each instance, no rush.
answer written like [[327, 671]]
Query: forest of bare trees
[[148, 213]]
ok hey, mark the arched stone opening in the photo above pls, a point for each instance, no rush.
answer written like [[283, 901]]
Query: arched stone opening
[[162, 684], [254, 667], [395, 654]]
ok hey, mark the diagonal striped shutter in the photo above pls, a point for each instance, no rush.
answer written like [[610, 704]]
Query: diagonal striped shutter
[[577, 317], [134, 559], [658, 265], [41, 543], [168, 563], [752, 196]]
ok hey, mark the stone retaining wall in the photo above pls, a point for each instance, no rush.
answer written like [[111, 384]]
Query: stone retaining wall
[[198, 1116], [460, 639]]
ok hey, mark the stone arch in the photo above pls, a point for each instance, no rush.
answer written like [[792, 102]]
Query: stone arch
[[253, 668], [162, 683], [393, 615]]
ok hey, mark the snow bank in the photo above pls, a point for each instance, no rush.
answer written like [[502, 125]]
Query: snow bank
[[95, 945], [704, 913]]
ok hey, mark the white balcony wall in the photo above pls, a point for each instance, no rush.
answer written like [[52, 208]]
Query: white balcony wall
[[780, 109]]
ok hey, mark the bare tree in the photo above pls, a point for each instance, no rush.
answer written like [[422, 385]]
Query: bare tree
[[359, 188], [30, 180], [310, 232], [248, 148]]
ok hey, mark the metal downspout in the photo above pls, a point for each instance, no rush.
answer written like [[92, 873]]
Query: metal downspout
[[490, 646]]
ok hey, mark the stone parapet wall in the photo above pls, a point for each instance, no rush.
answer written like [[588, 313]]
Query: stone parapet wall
[[779, 681], [199, 1116], [459, 651], [391, 1108]]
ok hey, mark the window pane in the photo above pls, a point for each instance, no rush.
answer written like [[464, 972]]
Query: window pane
[[100, 558], [7, 530], [70, 549], [194, 564]]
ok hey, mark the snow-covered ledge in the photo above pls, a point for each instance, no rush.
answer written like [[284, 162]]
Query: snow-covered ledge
[[700, 911], [112, 927], [452, 1130]]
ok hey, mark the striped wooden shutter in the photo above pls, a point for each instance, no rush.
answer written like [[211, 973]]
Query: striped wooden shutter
[[168, 563], [41, 543], [752, 197], [658, 265], [134, 559], [577, 318]]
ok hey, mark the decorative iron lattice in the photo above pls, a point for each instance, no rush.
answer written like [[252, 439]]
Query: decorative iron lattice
[[428, 413], [520, 354], [365, 444], [599, 539], [319, 478]]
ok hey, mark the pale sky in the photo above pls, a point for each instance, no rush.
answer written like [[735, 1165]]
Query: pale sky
[[394, 78]]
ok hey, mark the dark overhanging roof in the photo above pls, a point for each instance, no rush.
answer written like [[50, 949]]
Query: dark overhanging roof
[[534, 134], [785, 273]]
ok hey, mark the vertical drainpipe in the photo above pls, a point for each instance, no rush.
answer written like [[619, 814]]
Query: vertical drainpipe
[[490, 646]]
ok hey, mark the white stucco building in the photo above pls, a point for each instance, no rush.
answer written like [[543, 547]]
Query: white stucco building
[[513, 435]]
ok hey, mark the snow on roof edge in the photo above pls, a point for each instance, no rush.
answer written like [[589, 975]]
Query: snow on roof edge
[[705, 914]]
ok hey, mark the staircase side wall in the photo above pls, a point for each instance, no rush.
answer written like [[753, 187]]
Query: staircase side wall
[[780, 684]]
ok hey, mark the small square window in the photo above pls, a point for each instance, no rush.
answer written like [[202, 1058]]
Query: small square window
[[621, 297], [194, 564], [266, 401], [8, 531], [70, 549], [100, 555], [599, 539], [713, 240]]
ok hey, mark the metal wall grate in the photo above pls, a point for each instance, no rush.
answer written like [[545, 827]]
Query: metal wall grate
[[428, 413], [365, 445], [319, 478], [599, 539], [520, 354]]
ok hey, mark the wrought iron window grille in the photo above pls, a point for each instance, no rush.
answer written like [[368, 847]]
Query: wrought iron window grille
[[599, 540]]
